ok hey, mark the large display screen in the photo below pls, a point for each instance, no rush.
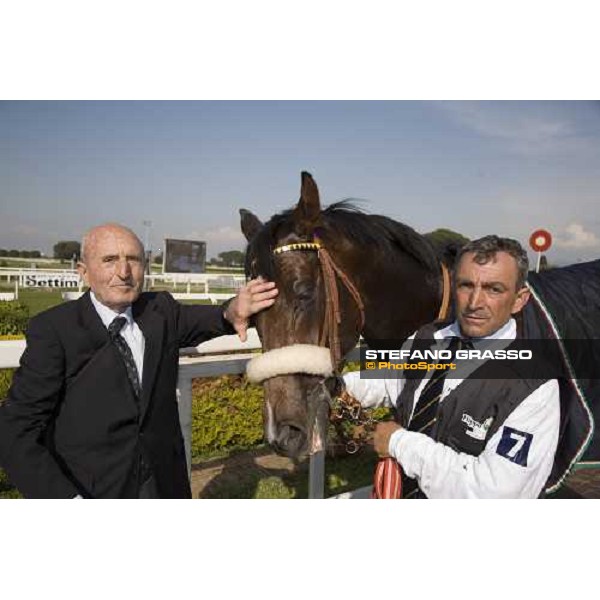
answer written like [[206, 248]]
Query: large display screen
[[184, 256]]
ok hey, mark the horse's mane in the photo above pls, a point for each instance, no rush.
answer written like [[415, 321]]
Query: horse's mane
[[375, 232], [379, 232]]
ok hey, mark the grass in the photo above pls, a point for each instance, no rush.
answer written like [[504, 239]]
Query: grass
[[36, 299], [341, 475], [249, 480], [39, 300]]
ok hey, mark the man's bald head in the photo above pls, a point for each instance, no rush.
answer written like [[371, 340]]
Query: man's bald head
[[93, 235], [112, 265]]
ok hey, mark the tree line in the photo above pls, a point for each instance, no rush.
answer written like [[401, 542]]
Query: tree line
[[64, 250], [68, 249], [20, 253]]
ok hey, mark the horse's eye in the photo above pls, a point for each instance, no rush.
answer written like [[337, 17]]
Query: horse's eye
[[303, 290], [253, 272]]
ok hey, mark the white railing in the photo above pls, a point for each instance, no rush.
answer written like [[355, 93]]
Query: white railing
[[219, 279], [185, 282], [10, 353], [208, 360], [20, 275], [10, 296], [29, 270]]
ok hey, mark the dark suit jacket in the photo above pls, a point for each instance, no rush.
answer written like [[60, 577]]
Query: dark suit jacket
[[71, 425]]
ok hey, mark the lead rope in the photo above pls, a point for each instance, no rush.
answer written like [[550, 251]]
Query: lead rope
[[387, 483]]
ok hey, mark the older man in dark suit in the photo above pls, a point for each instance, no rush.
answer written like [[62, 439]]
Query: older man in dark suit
[[92, 410]]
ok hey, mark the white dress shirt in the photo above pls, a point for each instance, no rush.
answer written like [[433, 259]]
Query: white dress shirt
[[131, 332], [444, 473]]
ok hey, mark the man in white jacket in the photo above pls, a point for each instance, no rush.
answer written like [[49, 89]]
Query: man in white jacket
[[471, 438]]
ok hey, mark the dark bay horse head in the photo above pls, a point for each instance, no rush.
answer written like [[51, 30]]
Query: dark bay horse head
[[370, 274]]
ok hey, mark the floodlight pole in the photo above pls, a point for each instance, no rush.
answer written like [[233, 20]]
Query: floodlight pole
[[147, 249]]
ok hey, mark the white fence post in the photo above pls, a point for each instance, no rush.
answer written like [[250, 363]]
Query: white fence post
[[184, 401]]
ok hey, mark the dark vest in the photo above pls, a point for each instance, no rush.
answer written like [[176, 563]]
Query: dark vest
[[471, 413]]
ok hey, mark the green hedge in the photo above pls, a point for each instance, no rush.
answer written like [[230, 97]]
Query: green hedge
[[14, 317], [6, 489], [226, 413], [6, 376]]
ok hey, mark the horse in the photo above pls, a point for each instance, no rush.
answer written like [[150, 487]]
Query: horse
[[340, 273]]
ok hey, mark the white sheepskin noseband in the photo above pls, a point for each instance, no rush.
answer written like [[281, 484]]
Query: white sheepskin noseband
[[297, 358]]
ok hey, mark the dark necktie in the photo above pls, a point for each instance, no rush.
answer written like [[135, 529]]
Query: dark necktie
[[123, 347], [425, 412], [426, 409]]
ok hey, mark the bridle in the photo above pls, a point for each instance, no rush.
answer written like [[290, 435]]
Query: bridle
[[333, 318], [329, 337], [325, 358], [330, 330]]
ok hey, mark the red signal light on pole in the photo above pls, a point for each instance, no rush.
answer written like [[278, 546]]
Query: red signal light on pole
[[540, 240]]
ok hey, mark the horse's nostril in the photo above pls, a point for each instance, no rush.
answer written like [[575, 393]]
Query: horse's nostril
[[291, 441]]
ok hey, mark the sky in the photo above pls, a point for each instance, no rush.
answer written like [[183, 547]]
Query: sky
[[188, 167], [503, 167]]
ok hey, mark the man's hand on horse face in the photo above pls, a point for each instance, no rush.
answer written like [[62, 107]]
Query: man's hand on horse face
[[255, 296], [381, 439]]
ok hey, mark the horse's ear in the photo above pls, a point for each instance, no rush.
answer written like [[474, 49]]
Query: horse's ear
[[308, 209], [250, 223]]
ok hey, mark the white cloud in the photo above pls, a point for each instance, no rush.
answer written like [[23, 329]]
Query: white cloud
[[226, 234], [525, 126], [26, 230], [576, 236]]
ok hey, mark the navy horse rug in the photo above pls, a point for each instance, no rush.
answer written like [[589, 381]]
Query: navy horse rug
[[563, 318]]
